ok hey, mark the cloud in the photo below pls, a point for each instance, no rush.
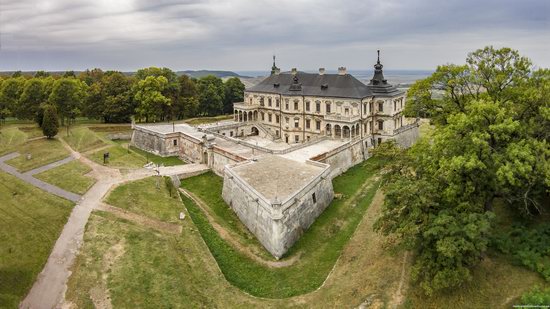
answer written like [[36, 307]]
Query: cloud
[[242, 34]]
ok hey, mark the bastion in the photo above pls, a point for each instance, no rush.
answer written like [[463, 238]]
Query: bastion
[[277, 198]]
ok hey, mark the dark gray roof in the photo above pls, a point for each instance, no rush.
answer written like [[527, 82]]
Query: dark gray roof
[[326, 85], [309, 84], [378, 84]]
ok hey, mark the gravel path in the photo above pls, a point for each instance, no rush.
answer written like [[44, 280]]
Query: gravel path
[[27, 177]]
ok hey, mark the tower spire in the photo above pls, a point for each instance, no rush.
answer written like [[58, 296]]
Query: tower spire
[[378, 78], [274, 67], [378, 61]]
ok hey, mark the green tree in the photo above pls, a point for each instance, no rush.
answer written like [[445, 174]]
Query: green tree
[[118, 105], [187, 102], [490, 142], [50, 123], [151, 103], [234, 92], [68, 95], [69, 74], [91, 77], [40, 74], [32, 96], [211, 95], [170, 91], [9, 95]]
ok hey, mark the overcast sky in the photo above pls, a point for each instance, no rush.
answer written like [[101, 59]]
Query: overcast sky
[[244, 34]]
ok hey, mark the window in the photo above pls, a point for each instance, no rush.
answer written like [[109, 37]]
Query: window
[[314, 198], [295, 105], [328, 108], [263, 116], [380, 106], [346, 111], [175, 142], [308, 137], [250, 100], [276, 102], [262, 101], [296, 138], [370, 108], [286, 106], [269, 101], [318, 125], [287, 120], [269, 117], [296, 123], [277, 118], [380, 124], [307, 106], [394, 105], [308, 123], [318, 107], [231, 133], [364, 108], [277, 133], [379, 140]]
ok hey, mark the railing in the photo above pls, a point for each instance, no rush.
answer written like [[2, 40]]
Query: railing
[[335, 117]]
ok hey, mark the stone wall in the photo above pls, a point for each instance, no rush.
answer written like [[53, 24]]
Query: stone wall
[[344, 157], [278, 225], [153, 142]]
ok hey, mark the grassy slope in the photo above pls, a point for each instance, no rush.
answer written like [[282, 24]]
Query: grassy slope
[[320, 245], [70, 176], [11, 137], [30, 221], [83, 139], [144, 198], [43, 151]]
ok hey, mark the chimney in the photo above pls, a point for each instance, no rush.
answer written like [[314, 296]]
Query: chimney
[[294, 71], [342, 71], [277, 71], [321, 71]]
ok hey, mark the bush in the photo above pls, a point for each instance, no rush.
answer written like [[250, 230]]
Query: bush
[[528, 247], [170, 187], [536, 297], [50, 122]]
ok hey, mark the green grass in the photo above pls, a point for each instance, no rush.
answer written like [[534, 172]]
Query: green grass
[[43, 151], [10, 138], [119, 157], [70, 177], [320, 245], [166, 161], [143, 197], [30, 221], [204, 120], [83, 139]]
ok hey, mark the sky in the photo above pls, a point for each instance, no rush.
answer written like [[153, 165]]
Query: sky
[[239, 35]]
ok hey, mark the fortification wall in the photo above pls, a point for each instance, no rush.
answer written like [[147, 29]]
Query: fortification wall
[[278, 225], [158, 144], [344, 157]]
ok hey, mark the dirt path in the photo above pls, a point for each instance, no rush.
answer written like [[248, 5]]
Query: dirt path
[[142, 220], [49, 289]]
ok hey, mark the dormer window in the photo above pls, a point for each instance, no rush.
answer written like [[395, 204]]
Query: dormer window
[[324, 86], [276, 85]]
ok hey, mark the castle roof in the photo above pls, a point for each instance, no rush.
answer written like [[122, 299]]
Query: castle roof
[[341, 85]]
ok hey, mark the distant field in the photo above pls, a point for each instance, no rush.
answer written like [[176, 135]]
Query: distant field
[[30, 221]]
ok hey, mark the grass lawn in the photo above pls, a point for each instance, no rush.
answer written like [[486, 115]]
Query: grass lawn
[[83, 139], [31, 221], [203, 120], [10, 138], [166, 161], [70, 176], [119, 157], [43, 151], [143, 197], [320, 245]]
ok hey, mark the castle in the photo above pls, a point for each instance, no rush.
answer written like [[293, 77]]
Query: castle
[[293, 133]]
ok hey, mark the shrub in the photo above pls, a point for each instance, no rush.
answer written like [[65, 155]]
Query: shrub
[[536, 297], [50, 122]]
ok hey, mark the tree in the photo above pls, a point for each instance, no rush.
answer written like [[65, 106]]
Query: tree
[[32, 96], [9, 95], [118, 105], [68, 95], [151, 103], [40, 74], [492, 126], [170, 91], [211, 95], [50, 122], [69, 74], [187, 102], [91, 77], [234, 92]]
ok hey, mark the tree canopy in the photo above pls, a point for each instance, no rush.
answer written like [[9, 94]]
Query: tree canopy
[[490, 142]]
